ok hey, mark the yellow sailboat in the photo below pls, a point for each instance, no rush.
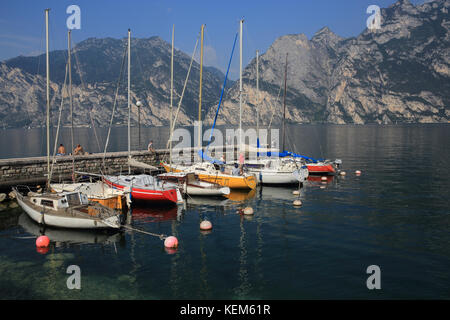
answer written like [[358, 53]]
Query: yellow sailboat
[[204, 170], [207, 172]]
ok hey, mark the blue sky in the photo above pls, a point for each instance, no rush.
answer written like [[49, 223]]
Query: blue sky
[[22, 30]]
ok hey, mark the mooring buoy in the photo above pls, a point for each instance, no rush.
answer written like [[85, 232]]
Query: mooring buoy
[[42, 242], [297, 203], [205, 225], [171, 242]]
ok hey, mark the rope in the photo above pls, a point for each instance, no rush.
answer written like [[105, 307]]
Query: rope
[[160, 236], [221, 96], [77, 64], [114, 104], [182, 94], [59, 122], [271, 105]]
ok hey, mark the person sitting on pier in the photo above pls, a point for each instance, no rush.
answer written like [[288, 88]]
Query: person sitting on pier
[[78, 151], [61, 150], [150, 147]]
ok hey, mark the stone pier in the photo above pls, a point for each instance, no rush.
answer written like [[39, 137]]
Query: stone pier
[[34, 170]]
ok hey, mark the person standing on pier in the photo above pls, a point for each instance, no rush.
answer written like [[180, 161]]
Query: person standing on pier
[[150, 147], [241, 163]]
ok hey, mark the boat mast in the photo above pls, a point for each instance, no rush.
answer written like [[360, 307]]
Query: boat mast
[[48, 93], [257, 101], [129, 105], [171, 99], [284, 104], [240, 84], [200, 93], [70, 99]]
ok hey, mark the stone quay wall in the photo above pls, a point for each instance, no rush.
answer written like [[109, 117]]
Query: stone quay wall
[[34, 170]]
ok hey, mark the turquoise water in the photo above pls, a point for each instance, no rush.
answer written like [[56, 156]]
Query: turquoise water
[[396, 215]]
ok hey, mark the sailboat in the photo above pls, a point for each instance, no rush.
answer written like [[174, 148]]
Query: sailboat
[[313, 166], [65, 209], [275, 171], [95, 191], [142, 187], [207, 171]]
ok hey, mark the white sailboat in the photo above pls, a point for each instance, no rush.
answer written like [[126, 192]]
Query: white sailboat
[[190, 184], [96, 191], [65, 209], [275, 171]]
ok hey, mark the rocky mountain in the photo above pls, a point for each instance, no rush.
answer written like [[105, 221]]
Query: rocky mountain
[[398, 73], [96, 65]]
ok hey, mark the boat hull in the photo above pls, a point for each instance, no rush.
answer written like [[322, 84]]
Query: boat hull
[[146, 194], [198, 191], [274, 177], [321, 168], [68, 222], [232, 182]]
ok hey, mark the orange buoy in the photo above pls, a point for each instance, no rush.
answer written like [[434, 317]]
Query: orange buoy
[[205, 225], [42, 242], [171, 242]]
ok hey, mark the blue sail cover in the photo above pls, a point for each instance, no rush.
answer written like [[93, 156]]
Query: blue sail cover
[[208, 158], [291, 154]]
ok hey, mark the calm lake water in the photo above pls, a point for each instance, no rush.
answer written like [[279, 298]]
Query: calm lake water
[[395, 215]]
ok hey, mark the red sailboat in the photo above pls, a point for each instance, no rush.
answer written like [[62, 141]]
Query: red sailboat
[[145, 187]]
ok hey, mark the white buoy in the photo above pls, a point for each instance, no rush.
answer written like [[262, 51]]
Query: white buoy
[[12, 195], [205, 225], [324, 178], [322, 187], [357, 172], [248, 211], [297, 203], [296, 192], [342, 173]]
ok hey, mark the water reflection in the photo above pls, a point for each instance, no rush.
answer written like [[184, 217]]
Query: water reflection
[[241, 195], [69, 236], [155, 213]]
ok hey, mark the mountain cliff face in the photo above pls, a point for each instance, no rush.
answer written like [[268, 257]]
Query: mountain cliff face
[[399, 73], [96, 65]]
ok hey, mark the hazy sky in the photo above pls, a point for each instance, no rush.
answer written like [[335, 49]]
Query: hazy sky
[[22, 24]]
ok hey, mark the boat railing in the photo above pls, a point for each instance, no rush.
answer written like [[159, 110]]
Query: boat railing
[[24, 190]]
